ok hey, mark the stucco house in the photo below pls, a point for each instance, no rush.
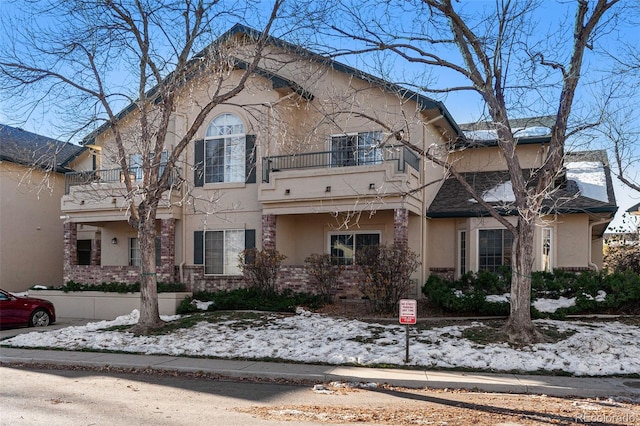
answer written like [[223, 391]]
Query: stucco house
[[32, 169], [305, 160]]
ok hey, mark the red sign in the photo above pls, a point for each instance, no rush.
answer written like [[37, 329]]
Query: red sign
[[408, 311]]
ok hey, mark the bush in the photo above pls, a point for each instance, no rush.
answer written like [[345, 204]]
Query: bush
[[325, 273], [386, 274], [260, 268], [623, 256], [467, 295], [251, 299], [119, 287]]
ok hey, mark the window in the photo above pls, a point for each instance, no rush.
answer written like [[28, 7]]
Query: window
[[222, 250], [84, 252], [343, 247], [135, 165], [494, 249], [356, 150], [134, 252], [547, 249], [462, 247], [225, 157]]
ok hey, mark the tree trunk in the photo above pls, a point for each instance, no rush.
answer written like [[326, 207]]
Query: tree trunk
[[149, 312], [520, 326]]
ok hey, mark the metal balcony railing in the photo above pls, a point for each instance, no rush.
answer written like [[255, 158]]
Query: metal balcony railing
[[103, 176], [400, 154]]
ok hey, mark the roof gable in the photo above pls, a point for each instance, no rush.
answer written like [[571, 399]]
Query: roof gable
[[279, 81]]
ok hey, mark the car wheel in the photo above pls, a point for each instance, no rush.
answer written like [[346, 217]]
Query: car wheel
[[39, 318]]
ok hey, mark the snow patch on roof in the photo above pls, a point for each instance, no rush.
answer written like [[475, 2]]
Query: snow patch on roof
[[502, 192], [518, 132], [590, 177]]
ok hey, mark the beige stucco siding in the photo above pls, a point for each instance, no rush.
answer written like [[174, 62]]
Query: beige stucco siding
[[574, 241], [30, 227], [442, 243], [492, 159]]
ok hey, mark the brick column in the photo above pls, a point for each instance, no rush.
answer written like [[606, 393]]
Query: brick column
[[96, 251], [168, 250], [268, 231], [70, 248], [401, 226]]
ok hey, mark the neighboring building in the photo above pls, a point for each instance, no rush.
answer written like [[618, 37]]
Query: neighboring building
[[295, 162], [32, 171]]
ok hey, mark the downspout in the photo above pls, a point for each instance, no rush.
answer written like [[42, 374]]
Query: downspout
[[591, 225], [423, 215]]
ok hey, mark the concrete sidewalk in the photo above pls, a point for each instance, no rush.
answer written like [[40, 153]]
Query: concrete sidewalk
[[512, 383]]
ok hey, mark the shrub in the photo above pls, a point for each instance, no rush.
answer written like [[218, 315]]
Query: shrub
[[260, 268], [251, 299], [623, 256], [324, 272], [119, 287], [386, 272], [467, 295]]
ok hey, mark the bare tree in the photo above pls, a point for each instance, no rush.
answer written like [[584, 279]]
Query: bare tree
[[84, 55], [501, 56]]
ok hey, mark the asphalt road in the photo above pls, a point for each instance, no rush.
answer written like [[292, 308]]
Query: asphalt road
[[42, 396], [63, 397]]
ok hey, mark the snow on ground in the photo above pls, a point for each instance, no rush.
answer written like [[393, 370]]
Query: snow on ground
[[595, 348]]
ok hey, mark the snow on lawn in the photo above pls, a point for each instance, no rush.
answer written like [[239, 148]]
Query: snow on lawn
[[596, 348]]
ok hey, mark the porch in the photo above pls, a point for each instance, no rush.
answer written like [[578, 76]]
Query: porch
[[109, 252]]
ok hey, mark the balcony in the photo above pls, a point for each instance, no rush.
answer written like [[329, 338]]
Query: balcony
[[399, 155], [338, 180], [103, 176], [101, 195]]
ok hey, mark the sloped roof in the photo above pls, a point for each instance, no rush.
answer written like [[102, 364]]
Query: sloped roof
[[30, 149], [579, 195], [530, 130], [424, 102]]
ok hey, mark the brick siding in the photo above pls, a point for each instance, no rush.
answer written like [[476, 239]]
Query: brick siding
[[291, 277]]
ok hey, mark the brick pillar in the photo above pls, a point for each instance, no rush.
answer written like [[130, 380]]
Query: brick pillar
[[268, 231], [70, 248], [401, 226], [168, 250], [96, 251]]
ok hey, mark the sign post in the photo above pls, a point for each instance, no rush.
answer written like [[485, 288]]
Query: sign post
[[408, 312]]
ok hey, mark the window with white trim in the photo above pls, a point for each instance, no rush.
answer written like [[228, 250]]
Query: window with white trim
[[134, 251], [356, 149], [494, 249], [222, 251], [344, 246], [224, 152], [547, 249]]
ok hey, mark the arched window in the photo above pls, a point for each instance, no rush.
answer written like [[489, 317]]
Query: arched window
[[225, 145]]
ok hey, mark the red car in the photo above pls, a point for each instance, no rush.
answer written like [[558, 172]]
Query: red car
[[31, 311]]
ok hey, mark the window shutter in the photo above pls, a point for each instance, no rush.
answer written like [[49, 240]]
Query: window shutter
[[249, 243], [198, 166], [251, 158], [198, 247], [249, 238]]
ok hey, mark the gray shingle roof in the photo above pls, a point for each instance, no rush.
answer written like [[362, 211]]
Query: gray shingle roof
[[453, 200], [30, 149]]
